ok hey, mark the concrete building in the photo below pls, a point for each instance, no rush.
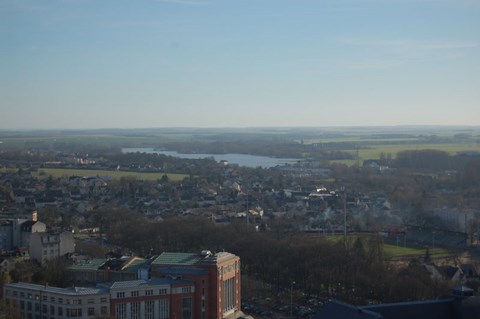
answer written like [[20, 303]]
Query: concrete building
[[16, 232], [38, 301], [45, 246], [147, 299]]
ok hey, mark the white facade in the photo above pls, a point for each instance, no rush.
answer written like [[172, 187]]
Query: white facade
[[45, 246]]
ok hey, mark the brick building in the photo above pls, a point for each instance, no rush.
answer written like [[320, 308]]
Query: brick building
[[216, 277], [183, 286]]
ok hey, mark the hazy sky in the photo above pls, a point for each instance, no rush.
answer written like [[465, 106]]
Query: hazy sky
[[238, 63]]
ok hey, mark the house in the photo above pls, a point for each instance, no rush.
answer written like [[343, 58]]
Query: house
[[452, 274]]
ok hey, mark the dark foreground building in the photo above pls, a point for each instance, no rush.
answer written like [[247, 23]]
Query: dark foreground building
[[460, 305]]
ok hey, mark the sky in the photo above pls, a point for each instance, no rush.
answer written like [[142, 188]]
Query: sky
[[84, 64]]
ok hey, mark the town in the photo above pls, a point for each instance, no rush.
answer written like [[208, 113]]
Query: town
[[301, 234]]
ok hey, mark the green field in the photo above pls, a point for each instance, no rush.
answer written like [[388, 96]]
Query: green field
[[392, 251], [374, 151], [116, 175]]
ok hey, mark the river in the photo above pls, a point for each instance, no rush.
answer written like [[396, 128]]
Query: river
[[240, 159]]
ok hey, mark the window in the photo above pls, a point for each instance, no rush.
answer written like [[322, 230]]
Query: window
[[22, 304], [187, 308], [52, 310], [29, 296], [44, 308], [22, 294], [121, 311], [228, 294], [120, 295], [103, 300], [52, 299], [75, 312], [37, 307], [60, 300], [91, 311], [60, 311], [164, 309], [186, 290], [149, 309], [162, 291], [134, 293], [90, 301], [135, 310], [29, 306], [148, 292], [103, 310], [45, 298]]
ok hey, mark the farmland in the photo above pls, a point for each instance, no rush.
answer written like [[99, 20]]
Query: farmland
[[361, 143]]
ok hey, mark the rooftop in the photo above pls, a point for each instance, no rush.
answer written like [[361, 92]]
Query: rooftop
[[90, 264], [177, 259], [190, 259], [72, 291]]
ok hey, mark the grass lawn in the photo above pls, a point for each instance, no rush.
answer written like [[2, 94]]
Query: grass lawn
[[392, 251], [116, 175]]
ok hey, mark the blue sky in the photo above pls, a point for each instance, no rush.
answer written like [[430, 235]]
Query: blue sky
[[238, 63]]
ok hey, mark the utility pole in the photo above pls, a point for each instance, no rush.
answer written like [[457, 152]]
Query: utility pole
[[291, 298], [344, 216]]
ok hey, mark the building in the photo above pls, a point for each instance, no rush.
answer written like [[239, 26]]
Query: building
[[38, 301], [204, 285], [46, 246], [94, 271], [153, 299], [147, 299], [16, 233], [216, 278], [460, 305]]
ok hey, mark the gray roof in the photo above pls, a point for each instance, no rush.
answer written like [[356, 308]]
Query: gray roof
[[71, 291], [434, 309], [339, 310]]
